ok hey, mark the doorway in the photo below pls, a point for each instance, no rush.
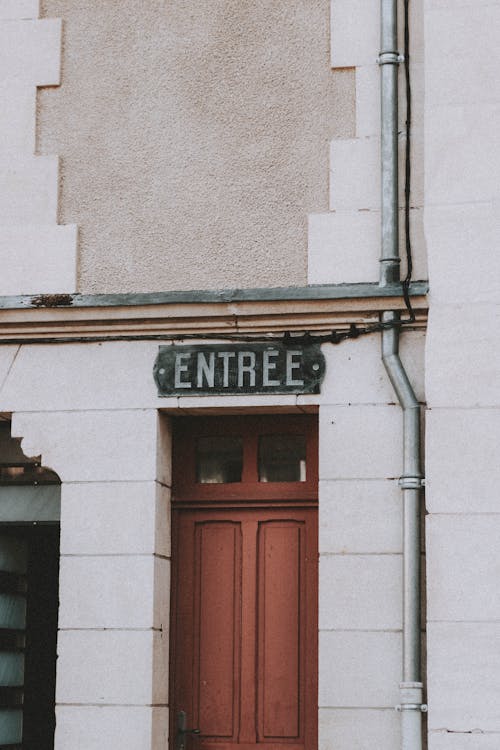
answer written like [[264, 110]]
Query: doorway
[[29, 568], [244, 589], [30, 500]]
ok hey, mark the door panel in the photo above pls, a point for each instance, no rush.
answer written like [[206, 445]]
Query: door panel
[[280, 629], [216, 625], [244, 627]]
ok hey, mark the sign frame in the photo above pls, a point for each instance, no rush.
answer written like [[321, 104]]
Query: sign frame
[[239, 369]]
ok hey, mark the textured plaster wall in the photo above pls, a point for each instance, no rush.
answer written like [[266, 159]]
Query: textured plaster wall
[[193, 138]]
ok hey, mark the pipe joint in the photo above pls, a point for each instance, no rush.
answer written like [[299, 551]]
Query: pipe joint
[[411, 482], [411, 697], [389, 271], [390, 58]]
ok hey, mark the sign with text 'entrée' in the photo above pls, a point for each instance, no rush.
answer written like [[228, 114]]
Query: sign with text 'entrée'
[[204, 370]]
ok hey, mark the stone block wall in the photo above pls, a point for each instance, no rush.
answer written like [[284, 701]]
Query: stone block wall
[[462, 372], [360, 543], [94, 419], [113, 639], [344, 243]]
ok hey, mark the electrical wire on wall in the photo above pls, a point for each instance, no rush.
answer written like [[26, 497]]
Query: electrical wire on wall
[[409, 261]]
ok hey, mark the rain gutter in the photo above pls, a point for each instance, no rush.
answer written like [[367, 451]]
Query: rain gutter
[[411, 687]]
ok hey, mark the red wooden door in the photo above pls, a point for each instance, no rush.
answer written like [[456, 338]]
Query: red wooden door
[[244, 586], [245, 627]]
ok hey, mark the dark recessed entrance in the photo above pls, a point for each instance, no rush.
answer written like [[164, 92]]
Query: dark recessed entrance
[[29, 597], [29, 570]]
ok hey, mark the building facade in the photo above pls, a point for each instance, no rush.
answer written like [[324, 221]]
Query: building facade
[[204, 187]]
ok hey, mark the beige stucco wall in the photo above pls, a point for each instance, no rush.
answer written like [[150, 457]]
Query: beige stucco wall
[[193, 138]]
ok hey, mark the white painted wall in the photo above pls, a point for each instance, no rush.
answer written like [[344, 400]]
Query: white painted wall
[[462, 228]]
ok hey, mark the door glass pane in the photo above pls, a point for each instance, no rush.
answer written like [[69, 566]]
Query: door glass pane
[[11, 725], [13, 568], [282, 458], [219, 459], [12, 611]]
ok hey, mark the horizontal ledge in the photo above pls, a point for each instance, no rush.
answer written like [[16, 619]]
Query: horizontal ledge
[[203, 314], [269, 294], [129, 318]]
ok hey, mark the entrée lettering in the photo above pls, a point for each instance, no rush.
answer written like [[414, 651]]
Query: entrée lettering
[[206, 371], [237, 368]]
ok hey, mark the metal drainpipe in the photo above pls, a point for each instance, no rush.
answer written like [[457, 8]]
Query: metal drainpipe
[[411, 687]]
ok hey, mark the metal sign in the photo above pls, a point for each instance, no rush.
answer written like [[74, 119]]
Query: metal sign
[[216, 369]]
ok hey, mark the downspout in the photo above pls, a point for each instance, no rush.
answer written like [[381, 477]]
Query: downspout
[[411, 688]]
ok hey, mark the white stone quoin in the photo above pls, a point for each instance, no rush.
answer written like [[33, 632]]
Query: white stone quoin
[[36, 255]]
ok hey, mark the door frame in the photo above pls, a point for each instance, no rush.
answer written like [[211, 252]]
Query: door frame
[[189, 497]]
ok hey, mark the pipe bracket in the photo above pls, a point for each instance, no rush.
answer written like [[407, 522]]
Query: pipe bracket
[[422, 707], [390, 58], [411, 482]]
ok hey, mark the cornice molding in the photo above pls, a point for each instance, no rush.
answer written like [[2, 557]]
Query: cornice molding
[[255, 312]]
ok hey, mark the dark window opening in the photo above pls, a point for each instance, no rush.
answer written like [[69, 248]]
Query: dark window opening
[[282, 458], [29, 600], [219, 459]]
